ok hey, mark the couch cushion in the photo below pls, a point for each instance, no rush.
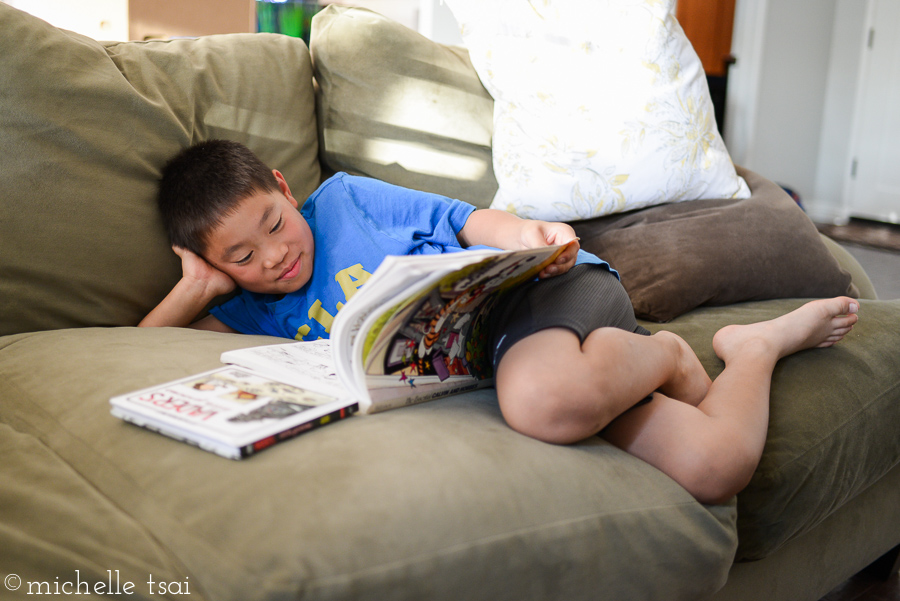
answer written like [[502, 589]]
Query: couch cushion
[[50, 530], [435, 501], [675, 257], [394, 105], [848, 263], [86, 129], [833, 424]]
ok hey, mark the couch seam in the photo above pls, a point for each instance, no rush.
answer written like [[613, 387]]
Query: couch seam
[[855, 417], [322, 582]]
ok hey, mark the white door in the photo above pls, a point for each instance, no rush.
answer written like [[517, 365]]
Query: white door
[[873, 190]]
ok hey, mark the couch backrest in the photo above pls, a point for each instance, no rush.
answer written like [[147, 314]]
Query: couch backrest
[[399, 107], [85, 128]]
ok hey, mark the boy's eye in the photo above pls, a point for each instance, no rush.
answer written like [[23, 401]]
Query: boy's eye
[[277, 225], [244, 260]]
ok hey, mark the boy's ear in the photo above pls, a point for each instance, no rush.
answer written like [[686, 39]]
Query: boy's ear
[[283, 186]]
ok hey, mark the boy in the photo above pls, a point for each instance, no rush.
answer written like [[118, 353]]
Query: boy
[[570, 359]]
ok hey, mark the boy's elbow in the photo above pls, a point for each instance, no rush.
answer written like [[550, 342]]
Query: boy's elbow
[[150, 321]]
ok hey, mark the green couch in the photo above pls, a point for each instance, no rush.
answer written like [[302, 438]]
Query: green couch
[[436, 501]]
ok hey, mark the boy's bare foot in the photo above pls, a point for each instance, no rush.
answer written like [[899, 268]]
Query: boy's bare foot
[[690, 382], [816, 324]]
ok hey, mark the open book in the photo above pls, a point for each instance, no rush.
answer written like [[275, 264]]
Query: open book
[[416, 331]]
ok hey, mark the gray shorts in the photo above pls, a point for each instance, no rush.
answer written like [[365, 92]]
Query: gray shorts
[[584, 299]]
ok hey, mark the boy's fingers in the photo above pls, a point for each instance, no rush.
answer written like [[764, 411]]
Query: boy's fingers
[[569, 255], [182, 251], [561, 266]]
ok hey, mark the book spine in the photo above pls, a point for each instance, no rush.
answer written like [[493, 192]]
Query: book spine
[[267, 442], [220, 450]]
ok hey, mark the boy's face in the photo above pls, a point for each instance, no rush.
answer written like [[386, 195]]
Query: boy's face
[[265, 245]]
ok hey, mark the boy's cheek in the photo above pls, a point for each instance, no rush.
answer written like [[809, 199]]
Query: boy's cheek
[[240, 278]]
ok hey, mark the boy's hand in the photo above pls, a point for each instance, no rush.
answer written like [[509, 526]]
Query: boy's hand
[[536, 234], [500, 229], [200, 283], [197, 271]]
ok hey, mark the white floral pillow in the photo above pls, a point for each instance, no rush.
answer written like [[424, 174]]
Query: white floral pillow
[[600, 106]]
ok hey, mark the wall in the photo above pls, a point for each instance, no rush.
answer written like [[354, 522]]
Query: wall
[[121, 20], [402, 11], [834, 160], [436, 22], [793, 71], [791, 95], [98, 19], [173, 18]]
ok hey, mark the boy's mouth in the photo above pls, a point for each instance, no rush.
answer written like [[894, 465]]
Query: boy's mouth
[[291, 272]]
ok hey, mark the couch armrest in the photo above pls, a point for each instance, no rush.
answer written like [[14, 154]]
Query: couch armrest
[[847, 261]]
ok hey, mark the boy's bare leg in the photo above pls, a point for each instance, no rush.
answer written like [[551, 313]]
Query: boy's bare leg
[[712, 448], [556, 389]]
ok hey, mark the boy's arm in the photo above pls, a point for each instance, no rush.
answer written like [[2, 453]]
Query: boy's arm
[[500, 229], [199, 284]]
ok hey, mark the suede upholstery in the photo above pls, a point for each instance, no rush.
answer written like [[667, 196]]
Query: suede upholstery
[[409, 111], [85, 135], [418, 496], [676, 257], [817, 441]]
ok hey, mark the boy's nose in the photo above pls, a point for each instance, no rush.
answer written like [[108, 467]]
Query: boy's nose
[[276, 256]]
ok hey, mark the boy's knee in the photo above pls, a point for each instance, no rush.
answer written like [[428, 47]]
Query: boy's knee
[[549, 406]]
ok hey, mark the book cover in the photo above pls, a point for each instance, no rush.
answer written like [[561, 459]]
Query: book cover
[[230, 411]]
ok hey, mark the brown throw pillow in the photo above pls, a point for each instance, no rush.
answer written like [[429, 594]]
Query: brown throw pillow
[[675, 257]]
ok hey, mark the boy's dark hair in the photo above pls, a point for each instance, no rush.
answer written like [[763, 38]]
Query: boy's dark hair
[[204, 183]]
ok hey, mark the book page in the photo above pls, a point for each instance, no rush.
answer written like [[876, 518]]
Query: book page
[[401, 275], [441, 332], [308, 364]]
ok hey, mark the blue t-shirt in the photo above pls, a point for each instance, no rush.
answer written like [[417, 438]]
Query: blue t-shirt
[[356, 222]]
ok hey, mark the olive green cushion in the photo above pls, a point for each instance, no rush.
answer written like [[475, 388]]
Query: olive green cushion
[[435, 501], [86, 129], [394, 105], [833, 425], [848, 263]]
